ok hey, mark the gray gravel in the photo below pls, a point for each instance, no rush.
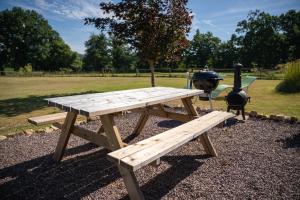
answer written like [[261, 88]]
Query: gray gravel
[[257, 160]]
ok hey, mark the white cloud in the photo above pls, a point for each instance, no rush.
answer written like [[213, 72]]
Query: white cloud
[[73, 9], [208, 22]]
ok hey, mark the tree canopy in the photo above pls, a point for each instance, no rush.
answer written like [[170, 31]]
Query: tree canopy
[[97, 53], [155, 28], [26, 37]]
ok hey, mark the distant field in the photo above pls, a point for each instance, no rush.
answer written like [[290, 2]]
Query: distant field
[[22, 97]]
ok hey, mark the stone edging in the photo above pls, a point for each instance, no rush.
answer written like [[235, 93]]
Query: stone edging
[[254, 114]]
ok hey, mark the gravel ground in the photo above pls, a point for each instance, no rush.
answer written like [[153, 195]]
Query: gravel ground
[[257, 160]]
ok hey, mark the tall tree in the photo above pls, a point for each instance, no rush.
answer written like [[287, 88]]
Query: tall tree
[[290, 26], [26, 37], [202, 49], [226, 54], [97, 55], [123, 58], [261, 40], [156, 28]]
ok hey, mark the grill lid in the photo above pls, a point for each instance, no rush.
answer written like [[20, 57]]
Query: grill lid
[[206, 75]]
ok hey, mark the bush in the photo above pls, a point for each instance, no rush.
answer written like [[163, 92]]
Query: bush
[[291, 82], [28, 68]]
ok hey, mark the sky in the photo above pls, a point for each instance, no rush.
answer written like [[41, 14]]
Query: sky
[[217, 16]]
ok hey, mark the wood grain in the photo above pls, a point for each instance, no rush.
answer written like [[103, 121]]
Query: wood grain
[[142, 153], [112, 102]]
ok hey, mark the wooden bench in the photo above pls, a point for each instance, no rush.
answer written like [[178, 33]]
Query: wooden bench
[[47, 119], [135, 156]]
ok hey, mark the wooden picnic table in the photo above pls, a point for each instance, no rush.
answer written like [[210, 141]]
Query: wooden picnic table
[[147, 101]]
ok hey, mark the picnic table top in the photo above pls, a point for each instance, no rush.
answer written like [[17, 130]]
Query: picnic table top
[[116, 101]]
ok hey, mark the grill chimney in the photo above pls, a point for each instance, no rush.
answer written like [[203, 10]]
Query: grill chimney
[[237, 86]]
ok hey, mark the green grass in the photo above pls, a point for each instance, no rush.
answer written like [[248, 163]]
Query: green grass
[[22, 97]]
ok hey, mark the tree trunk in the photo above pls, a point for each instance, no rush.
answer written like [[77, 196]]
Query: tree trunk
[[151, 64]]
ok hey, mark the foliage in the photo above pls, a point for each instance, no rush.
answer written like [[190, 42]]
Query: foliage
[[26, 37], [291, 82], [260, 40], [123, 59], [77, 63], [97, 53], [155, 28], [28, 68], [202, 49], [290, 26]]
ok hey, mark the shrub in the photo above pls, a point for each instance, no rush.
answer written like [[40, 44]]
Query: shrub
[[28, 68], [291, 82]]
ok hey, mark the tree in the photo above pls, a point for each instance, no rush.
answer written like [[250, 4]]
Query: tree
[[226, 53], [97, 53], [123, 58], [26, 37], [290, 26], [260, 40], [77, 63], [202, 49], [155, 28]]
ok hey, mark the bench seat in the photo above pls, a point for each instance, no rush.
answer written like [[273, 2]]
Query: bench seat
[[135, 156], [47, 119]]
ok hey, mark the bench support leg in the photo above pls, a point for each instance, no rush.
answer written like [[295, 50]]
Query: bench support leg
[[141, 123], [115, 140], [131, 184], [208, 147], [65, 135]]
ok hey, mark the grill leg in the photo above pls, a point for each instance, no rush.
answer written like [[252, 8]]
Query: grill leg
[[228, 108], [238, 112], [243, 113], [210, 103]]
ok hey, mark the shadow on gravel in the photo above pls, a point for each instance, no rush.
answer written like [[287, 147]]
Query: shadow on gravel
[[169, 123], [75, 178], [290, 142], [42, 178], [162, 183], [16, 106]]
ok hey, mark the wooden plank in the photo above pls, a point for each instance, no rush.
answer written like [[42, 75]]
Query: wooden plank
[[167, 142], [112, 132], [208, 146], [165, 114], [65, 135], [141, 123], [128, 176], [106, 103], [97, 138], [46, 119], [99, 110], [188, 105], [151, 141], [131, 184]]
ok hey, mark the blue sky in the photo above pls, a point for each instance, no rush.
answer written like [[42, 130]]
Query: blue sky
[[218, 16]]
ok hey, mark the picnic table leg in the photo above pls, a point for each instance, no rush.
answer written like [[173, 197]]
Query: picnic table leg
[[65, 135], [141, 123], [115, 140], [208, 146]]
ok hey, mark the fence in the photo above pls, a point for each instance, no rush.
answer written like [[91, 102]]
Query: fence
[[166, 72]]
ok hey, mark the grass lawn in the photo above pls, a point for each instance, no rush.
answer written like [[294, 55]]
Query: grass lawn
[[22, 97]]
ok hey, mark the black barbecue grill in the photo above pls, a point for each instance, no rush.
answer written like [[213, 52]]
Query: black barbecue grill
[[207, 81]]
